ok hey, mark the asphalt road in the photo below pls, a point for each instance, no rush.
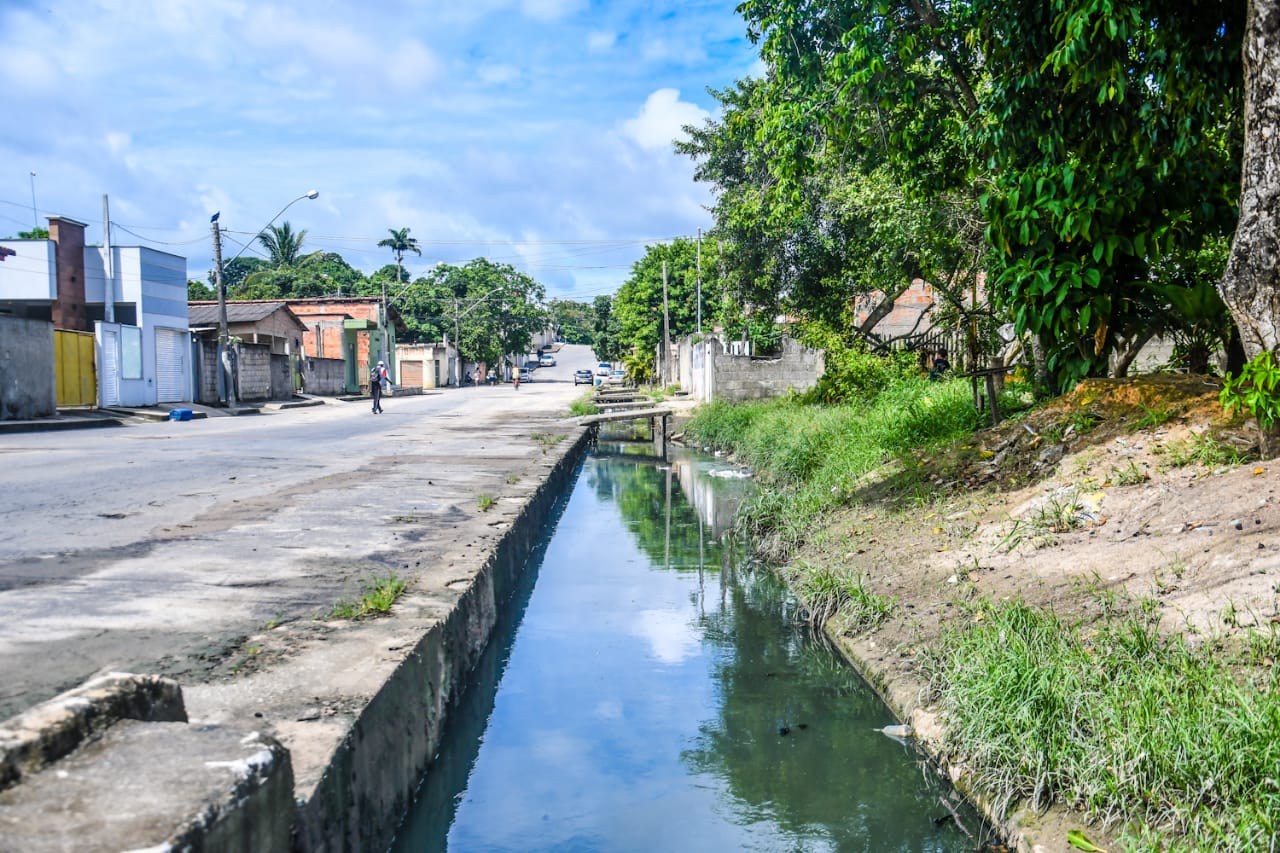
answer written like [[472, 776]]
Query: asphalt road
[[160, 547]]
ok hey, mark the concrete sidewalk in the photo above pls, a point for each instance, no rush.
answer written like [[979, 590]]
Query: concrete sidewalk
[[225, 581], [122, 415]]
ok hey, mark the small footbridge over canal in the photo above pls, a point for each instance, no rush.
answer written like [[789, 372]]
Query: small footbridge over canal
[[628, 404]]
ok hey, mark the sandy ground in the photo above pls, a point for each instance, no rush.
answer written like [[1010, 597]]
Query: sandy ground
[[1201, 542]]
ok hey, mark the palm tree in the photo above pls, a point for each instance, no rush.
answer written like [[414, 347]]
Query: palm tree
[[284, 246], [400, 242]]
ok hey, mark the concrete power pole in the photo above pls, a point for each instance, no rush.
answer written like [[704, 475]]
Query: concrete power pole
[[109, 294], [699, 281], [665, 375], [224, 339]]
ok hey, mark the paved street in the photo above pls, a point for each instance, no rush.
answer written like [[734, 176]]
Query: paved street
[[162, 547]]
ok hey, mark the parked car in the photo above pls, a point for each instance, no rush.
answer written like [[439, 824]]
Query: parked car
[[546, 360], [603, 368], [617, 377], [582, 377], [526, 375]]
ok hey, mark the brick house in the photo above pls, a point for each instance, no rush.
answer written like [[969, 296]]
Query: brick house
[[348, 328]]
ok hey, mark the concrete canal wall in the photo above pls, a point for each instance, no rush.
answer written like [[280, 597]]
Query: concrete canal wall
[[321, 750]]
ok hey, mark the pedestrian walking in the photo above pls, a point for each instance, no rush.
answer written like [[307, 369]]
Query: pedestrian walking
[[377, 377]]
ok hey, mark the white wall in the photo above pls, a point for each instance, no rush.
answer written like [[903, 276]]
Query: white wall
[[31, 273]]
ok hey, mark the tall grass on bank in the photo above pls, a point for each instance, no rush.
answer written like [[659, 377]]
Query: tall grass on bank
[[810, 457], [1135, 728]]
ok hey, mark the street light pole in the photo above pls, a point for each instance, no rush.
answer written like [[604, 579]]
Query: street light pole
[[224, 337], [35, 217]]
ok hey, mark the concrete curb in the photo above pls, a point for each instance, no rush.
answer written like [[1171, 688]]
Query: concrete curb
[[371, 778], [42, 735]]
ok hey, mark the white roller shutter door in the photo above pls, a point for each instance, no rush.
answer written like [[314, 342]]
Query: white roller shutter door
[[171, 371]]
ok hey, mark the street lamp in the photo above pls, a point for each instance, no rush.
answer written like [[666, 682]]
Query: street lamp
[[223, 336]]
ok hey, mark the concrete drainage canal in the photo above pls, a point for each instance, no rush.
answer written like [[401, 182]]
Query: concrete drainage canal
[[648, 688]]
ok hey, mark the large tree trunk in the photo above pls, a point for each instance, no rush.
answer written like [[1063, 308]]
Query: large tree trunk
[[1251, 283]]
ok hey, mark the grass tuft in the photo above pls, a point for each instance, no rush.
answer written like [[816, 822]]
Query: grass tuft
[[378, 596], [1116, 720], [831, 596]]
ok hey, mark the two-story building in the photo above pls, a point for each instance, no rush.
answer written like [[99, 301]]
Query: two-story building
[[119, 317]]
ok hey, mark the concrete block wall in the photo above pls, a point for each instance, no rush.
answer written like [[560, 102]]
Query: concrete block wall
[[713, 374], [207, 393], [326, 377], [255, 372], [26, 369]]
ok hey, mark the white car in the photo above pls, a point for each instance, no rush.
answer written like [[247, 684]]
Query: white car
[[617, 377], [546, 360], [603, 368]]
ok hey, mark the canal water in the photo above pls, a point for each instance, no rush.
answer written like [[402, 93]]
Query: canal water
[[650, 690]]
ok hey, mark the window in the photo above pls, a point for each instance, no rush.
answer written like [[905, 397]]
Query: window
[[130, 352]]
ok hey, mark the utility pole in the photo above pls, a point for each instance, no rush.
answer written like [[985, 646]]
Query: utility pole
[[457, 336], [224, 339], [699, 281], [109, 284], [666, 330]]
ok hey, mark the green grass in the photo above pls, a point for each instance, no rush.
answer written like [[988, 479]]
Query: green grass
[[810, 458], [1178, 743], [486, 502], [583, 406], [1202, 449], [378, 596], [837, 598]]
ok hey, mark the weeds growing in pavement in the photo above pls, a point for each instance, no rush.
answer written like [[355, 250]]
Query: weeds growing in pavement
[[583, 406], [486, 502], [378, 596], [1112, 718]]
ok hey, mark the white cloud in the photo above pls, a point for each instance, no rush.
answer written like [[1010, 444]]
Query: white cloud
[[671, 638], [601, 42], [550, 10], [496, 75], [117, 142], [662, 119]]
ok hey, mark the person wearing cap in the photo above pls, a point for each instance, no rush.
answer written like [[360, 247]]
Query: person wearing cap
[[376, 378]]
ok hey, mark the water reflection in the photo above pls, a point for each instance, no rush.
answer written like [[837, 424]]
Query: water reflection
[[655, 695]]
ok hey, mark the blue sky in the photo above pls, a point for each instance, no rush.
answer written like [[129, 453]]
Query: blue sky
[[534, 132]]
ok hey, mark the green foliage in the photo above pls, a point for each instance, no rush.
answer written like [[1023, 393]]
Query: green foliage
[[828, 594], [491, 309], [378, 596], [1098, 137], [606, 331], [573, 320], [37, 233], [400, 242], [1119, 721], [852, 373], [486, 502], [1256, 390], [583, 406], [1202, 449], [283, 244], [197, 291], [810, 458], [638, 305]]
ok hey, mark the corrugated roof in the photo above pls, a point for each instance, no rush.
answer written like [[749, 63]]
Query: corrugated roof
[[200, 314]]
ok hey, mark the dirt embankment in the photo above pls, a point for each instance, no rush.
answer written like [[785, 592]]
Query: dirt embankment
[[1122, 494]]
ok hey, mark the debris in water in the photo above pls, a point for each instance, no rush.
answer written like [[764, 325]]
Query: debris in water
[[896, 731]]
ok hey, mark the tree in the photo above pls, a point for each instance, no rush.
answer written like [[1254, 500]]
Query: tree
[[572, 320], [198, 291], [1096, 136], [400, 242], [491, 310], [282, 244], [1251, 283], [37, 233], [606, 332]]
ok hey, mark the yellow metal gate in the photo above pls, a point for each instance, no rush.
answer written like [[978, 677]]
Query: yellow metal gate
[[73, 363]]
